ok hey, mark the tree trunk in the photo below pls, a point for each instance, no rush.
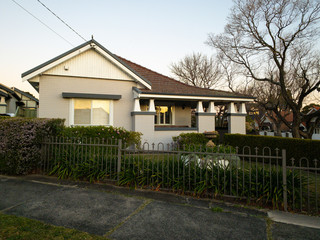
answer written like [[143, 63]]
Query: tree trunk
[[277, 131], [295, 129]]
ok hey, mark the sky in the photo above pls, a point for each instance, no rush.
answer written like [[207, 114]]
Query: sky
[[151, 33]]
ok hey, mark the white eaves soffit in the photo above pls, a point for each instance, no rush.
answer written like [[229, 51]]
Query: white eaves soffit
[[33, 76], [190, 97]]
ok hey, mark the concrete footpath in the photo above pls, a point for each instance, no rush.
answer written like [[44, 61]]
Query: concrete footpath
[[120, 213]]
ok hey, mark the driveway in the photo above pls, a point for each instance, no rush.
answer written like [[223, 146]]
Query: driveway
[[120, 213]]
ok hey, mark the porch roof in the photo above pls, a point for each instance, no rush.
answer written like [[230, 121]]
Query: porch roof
[[163, 85]]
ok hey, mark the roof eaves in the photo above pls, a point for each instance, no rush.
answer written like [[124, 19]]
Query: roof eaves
[[136, 89], [26, 94], [5, 88], [198, 95], [4, 94]]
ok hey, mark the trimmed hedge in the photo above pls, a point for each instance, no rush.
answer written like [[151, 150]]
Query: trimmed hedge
[[295, 148], [128, 137], [20, 142], [193, 139]]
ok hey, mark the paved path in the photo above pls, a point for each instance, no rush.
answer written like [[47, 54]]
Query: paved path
[[119, 213]]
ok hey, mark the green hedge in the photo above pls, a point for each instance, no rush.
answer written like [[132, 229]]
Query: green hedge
[[295, 148], [187, 139], [20, 142], [128, 137]]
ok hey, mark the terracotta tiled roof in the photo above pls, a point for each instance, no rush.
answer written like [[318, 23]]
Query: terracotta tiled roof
[[316, 107], [165, 85]]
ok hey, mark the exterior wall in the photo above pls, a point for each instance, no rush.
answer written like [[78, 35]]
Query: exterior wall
[[144, 122], [3, 105], [11, 105], [206, 122], [144, 108], [89, 64], [316, 136], [52, 105], [237, 124], [182, 116]]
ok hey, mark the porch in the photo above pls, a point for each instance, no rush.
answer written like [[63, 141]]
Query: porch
[[161, 119]]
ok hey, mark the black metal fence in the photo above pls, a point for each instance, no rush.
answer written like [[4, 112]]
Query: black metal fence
[[263, 176]]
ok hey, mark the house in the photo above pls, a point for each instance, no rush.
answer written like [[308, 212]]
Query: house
[[89, 85], [316, 131], [9, 101], [15, 102], [30, 103]]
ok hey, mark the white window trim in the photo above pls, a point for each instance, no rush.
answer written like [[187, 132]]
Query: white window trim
[[71, 114]]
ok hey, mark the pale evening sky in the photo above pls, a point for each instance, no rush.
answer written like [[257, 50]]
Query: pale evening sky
[[152, 33]]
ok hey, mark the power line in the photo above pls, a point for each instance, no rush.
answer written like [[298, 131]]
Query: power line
[[42, 23], [61, 20]]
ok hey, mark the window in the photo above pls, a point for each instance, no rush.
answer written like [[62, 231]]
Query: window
[[163, 115], [91, 112]]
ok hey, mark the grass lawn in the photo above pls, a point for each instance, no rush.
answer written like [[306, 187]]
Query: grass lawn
[[13, 228]]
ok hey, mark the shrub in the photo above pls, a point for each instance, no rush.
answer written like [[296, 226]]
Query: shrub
[[198, 142], [20, 142], [128, 137], [295, 148], [190, 139]]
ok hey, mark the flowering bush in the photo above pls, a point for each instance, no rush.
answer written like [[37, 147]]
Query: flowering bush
[[20, 142]]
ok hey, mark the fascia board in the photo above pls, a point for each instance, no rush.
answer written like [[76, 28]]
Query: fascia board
[[185, 97]]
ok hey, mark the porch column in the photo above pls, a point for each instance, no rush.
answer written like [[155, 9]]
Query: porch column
[[3, 105], [136, 107], [211, 107], [205, 120], [151, 106], [199, 107], [237, 120]]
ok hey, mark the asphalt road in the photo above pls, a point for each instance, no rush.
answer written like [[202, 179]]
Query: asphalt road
[[119, 213]]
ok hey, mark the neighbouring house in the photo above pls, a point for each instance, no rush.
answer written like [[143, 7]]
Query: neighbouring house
[[89, 85], [9, 101], [30, 103], [316, 131], [15, 102]]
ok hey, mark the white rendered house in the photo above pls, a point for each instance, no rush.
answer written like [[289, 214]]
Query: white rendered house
[[89, 85]]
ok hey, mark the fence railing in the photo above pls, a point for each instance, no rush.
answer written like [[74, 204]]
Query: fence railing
[[263, 176]]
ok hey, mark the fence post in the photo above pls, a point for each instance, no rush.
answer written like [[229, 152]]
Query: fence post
[[284, 180], [42, 154], [119, 159]]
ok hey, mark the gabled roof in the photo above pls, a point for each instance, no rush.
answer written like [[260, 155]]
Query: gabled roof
[[10, 93], [153, 82], [29, 95], [92, 44], [316, 107]]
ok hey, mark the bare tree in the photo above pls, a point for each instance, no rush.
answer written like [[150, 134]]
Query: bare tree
[[197, 70], [273, 42]]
